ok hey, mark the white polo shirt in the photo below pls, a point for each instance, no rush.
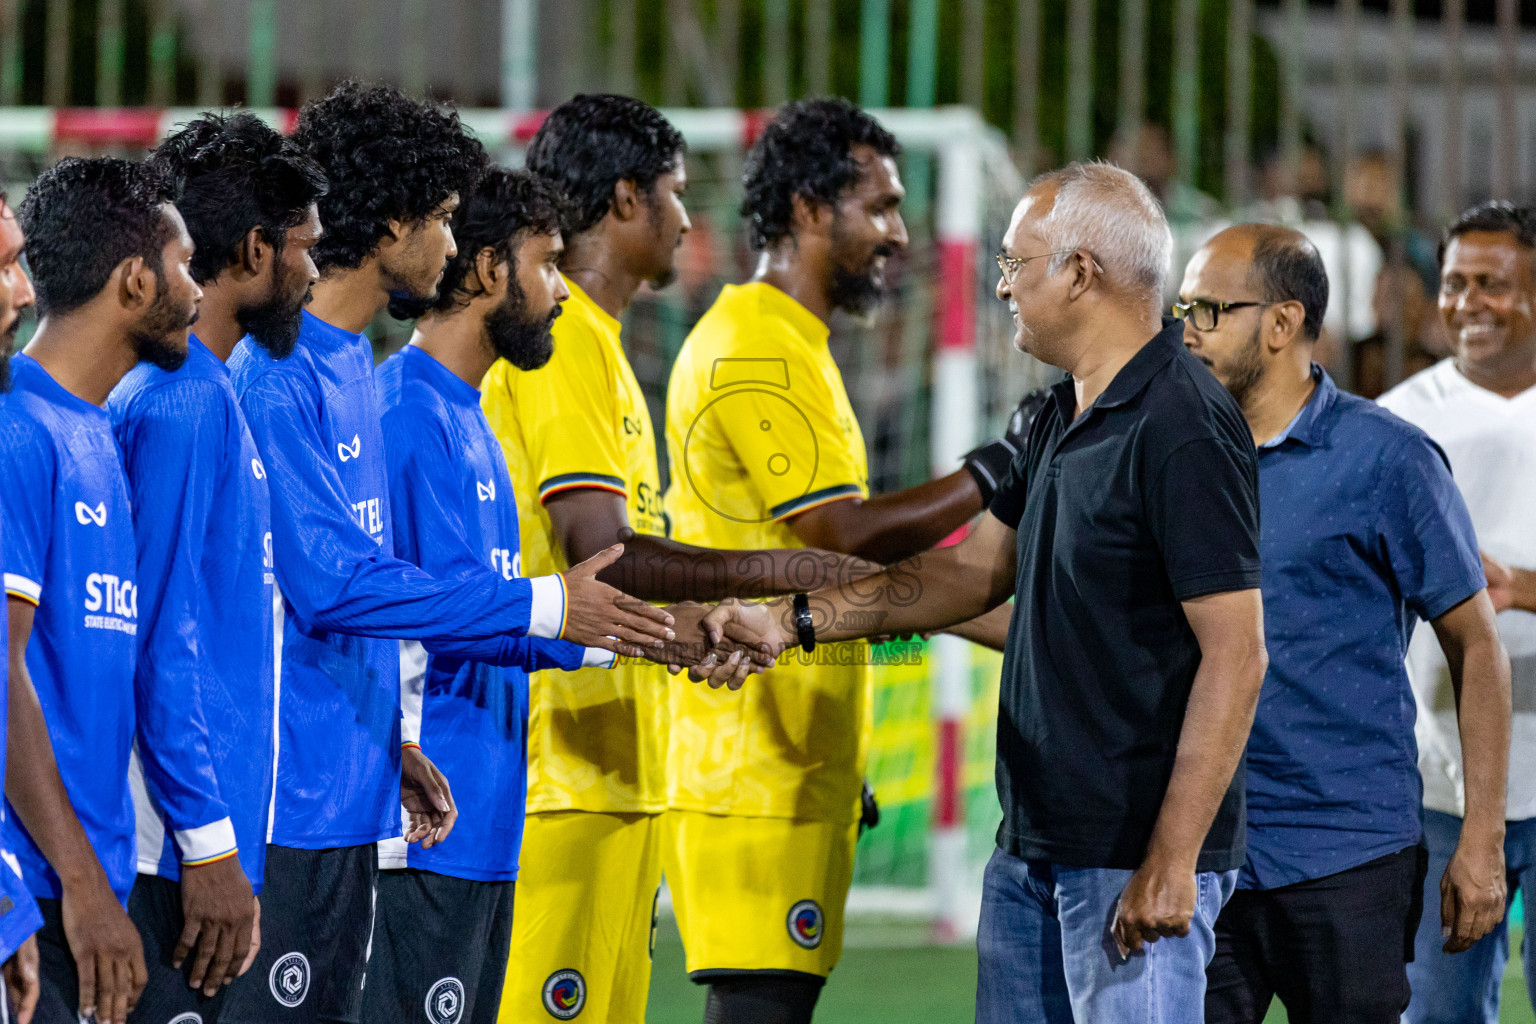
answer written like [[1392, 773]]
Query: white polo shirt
[[1491, 442]]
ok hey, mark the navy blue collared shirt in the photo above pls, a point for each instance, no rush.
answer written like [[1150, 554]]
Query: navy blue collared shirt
[[1363, 533]]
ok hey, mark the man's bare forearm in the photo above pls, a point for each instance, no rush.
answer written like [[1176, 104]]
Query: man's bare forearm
[[1523, 589], [1218, 719], [1483, 714], [658, 569], [32, 782], [888, 527]]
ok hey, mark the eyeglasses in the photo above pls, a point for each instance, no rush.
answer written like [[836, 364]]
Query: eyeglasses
[[1009, 266], [1205, 315]]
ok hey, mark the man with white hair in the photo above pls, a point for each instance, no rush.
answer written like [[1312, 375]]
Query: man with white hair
[[1128, 529]]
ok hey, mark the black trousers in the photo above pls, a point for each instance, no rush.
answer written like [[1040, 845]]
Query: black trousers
[[1334, 949]]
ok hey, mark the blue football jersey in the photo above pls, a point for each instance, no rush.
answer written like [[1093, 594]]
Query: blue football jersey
[[453, 512], [345, 598], [19, 916], [204, 688], [68, 548]]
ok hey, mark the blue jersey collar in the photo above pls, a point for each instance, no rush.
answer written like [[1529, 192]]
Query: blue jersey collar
[[451, 385], [1308, 427]]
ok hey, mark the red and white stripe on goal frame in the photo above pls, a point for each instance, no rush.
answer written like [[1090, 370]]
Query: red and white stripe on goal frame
[[964, 146]]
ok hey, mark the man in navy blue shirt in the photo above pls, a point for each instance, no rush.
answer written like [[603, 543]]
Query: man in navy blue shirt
[[204, 687], [1363, 534], [109, 257]]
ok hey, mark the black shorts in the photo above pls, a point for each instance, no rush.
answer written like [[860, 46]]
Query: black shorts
[[440, 949], [1335, 949], [316, 925], [155, 907]]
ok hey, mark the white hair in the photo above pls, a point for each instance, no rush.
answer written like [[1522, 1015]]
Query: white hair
[[1111, 213]]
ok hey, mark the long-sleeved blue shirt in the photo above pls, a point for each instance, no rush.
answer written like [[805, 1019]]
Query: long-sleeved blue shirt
[[204, 686], [1363, 534], [19, 916], [453, 513], [68, 549], [346, 598]]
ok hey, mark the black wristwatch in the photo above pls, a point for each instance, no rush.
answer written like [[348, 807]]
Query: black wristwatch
[[805, 629]]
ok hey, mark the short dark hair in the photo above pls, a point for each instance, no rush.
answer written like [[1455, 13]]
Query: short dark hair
[[81, 218], [1496, 215], [231, 174], [587, 145], [1286, 267], [387, 157], [807, 150], [502, 209]]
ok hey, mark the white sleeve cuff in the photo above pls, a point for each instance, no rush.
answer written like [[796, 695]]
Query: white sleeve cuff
[[596, 657], [206, 843], [392, 854], [27, 590], [547, 616]]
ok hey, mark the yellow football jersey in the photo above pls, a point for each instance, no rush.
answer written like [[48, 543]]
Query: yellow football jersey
[[759, 428], [596, 737]]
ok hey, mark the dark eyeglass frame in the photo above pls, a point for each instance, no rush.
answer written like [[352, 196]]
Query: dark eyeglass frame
[[1191, 311]]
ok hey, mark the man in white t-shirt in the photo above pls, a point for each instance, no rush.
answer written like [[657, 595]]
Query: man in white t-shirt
[[1480, 406]]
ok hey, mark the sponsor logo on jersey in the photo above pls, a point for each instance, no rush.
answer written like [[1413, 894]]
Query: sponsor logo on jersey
[[805, 924], [258, 469], [87, 515], [445, 1001], [289, 980], [487, 492], [508, 563], [113, 603], [347, 452], [565, 993]]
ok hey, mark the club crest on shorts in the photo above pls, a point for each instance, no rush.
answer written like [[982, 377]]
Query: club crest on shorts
[[565, 994], [187, 1018], [445, 1001], [289, 980], [805, 923]]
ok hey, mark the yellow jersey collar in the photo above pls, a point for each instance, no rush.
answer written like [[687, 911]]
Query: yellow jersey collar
[[586, 302], [807, 324]]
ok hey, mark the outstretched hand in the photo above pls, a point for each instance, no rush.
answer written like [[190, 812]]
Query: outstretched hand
[[597, 615], [709, 656]]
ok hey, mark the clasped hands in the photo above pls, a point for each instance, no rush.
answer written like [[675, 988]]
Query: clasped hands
[[598, 615]]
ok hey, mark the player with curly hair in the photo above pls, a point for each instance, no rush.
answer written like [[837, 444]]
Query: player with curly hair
[[761, 829], [204, 684], [582, 455], [396, 168]]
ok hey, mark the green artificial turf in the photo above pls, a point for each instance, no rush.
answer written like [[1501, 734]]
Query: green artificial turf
[[912, 984]]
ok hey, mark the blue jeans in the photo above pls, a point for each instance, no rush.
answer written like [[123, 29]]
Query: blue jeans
[[1047, 957], [1463, 988]]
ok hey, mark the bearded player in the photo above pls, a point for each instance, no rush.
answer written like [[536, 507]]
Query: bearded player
[[766, 453], [582, 455], [396, 169]]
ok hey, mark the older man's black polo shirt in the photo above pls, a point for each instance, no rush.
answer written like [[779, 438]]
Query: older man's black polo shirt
[[1149, 499]]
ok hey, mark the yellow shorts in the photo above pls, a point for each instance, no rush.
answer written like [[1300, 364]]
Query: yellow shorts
[[756, 894], [583, 922]]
